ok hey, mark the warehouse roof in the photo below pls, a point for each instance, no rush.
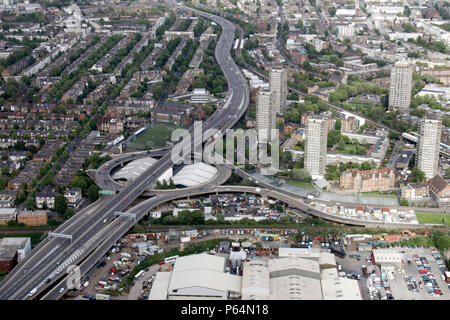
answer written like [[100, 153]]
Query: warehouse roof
[[295, 287], [255, 281], [294, 266], [160, 286], [134, 169], [307, 253], [386, 256], [200, 261], [203, 273], [329, 273], [339, 288], [327, 259], [206, 279], [195, 174]]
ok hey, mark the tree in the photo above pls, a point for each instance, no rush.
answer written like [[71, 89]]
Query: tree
[[29, 203], [447, 172], [394, 135], [300, 175], [366, 166], [68, 213], [93, 193], [207, 109], [60, 204], [187, 217], [418, 175], [80, 182], [332, 11], [338, 125], [404, 203], [21, 197]]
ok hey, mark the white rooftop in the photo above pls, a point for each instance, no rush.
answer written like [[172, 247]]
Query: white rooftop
[[203, 280], [200, 261], [386, 256], [202, 275], [134, 169], [295, 287], [195, 174], [160, 286], [340, 288], [309, 253], [286, 264], [329, 273], [255, 281]]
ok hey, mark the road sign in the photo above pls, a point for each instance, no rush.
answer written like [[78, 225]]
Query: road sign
[[106, 192], [59, 235]]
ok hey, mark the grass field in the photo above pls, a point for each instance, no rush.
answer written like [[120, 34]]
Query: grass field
[[359, 103], [155, 137], [432, 218], [379, 194], [35, 237], [306, 185]]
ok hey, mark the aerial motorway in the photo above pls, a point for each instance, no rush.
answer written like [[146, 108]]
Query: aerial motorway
[[85, 237]]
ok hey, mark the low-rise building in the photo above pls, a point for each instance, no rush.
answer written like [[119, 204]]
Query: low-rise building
[[439, 190], [33, 218], [388, 260], [73, 196], [416, 191], [355, 180], [13, 250], [7, 198], [7, 214], [199, 276], [46, 196], [111, 122]]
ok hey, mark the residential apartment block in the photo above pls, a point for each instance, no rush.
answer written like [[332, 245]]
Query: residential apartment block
[[354, 180], [400, 86], [278, 85], [428, 146], [316, 146], [265, 114]]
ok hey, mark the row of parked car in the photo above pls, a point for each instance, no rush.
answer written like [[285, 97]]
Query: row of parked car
[[411, 283], [429, 279], [440, 264], [387, 289]]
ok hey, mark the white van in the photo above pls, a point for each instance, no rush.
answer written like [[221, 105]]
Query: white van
[[32, 292]]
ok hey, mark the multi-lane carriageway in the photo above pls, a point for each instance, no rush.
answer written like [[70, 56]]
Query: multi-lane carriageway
[[95, 228]]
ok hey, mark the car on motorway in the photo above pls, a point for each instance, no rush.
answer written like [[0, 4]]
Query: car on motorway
[[32, 292], [25, 270], [58, 262], [61, 290]]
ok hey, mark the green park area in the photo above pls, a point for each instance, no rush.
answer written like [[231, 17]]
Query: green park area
[[155, 137], [431, 218], [360, 103], [301, 184], [379, 194]]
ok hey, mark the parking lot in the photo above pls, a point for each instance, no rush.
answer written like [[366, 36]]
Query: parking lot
[[352, 265], [398, 286]]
